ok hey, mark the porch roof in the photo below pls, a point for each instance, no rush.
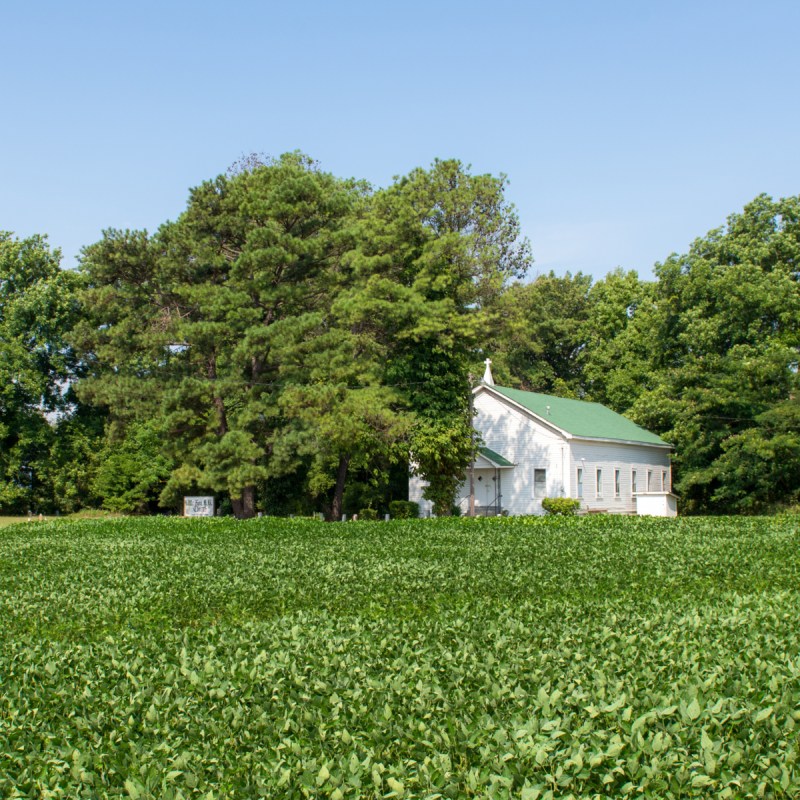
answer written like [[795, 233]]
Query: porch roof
[[495, 458]]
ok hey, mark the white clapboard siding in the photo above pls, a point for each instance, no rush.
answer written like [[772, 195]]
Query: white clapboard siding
[[608, 457], [526, 444], [415, 488]]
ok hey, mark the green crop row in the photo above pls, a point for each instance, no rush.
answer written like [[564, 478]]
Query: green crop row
[[502, 658]]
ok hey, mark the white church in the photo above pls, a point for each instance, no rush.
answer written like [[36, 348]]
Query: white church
[[534, 446]]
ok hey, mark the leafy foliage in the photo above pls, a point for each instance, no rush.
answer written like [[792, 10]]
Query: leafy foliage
[[297, 339], [560, 506], [533, 658], [37, 306], [180, 325], [403, 509], [130, 474], [723, 323], [293, 324], [433, 250], [706, 355], [538, 334]]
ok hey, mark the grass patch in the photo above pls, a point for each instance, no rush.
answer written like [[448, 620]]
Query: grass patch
[[79, 515], [4, 521]]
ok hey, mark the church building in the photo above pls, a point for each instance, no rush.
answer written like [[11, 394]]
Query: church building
[[533, 446]]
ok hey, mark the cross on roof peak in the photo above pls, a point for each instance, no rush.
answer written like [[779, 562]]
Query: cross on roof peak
[[487, 375]]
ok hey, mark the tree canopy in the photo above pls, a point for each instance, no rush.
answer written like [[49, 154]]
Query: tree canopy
[[287, 323], [724, 321], [294, 340], [37, 308]]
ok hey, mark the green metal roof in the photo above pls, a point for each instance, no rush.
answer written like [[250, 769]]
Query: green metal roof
[[580, 418], [495, 458]]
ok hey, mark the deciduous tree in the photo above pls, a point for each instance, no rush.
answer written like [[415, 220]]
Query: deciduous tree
[[537, 334], [432, 251], [37, 306], [725, 336]]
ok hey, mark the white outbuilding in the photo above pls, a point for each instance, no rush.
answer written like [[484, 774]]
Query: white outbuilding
[[535, 446]]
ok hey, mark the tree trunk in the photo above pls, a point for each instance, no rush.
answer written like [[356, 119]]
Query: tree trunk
[[245, 506], [341, 475]]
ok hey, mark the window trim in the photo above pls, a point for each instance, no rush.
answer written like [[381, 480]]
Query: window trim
[[598, 476], [536, 484]]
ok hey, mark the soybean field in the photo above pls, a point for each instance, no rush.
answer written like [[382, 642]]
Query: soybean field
[[452, 658]]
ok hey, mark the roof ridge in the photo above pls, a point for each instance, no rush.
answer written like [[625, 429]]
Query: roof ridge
[[554, 396], [585, 419]]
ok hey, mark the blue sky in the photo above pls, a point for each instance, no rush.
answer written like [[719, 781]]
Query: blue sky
[[627, 129]]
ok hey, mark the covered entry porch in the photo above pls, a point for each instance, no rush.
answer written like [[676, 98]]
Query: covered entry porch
[[489, 470]]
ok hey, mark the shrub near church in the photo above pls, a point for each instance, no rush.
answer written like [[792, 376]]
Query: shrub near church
[[564, 506]]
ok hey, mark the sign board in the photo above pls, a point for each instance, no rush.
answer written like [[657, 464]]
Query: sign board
[[198, 506]]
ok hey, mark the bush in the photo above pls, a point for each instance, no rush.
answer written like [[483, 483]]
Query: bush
[[367, 514], [564, 506], [403, 509]]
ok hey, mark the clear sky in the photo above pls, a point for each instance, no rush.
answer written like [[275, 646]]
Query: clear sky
[[627, 129]]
